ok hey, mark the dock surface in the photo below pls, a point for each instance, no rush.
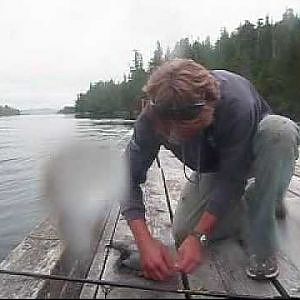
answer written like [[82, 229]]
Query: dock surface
[[222, 274], [223, 271]]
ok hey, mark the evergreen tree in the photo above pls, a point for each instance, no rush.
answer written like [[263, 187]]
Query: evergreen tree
[[268, 54], [157, 59]]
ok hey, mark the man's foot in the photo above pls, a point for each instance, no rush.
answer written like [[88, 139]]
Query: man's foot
[[280, 211], [259, 269]]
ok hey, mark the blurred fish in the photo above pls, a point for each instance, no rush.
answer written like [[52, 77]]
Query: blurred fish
[[82, 181], [129, 260]]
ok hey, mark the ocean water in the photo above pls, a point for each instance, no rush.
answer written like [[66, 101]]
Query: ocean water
[[26, 143]]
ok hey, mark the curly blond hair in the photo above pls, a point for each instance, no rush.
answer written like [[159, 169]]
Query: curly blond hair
[[182, 80]]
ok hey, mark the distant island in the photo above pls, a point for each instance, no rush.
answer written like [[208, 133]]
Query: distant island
[[8, 111], [39, 111], [67, 110]]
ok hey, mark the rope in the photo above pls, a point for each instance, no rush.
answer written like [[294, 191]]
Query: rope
[[166, 190], [184, 277]]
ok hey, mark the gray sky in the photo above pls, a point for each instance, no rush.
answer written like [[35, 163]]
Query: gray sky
[[51, 49]]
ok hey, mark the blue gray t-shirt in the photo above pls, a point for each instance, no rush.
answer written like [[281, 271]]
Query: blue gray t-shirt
[[223, 148]]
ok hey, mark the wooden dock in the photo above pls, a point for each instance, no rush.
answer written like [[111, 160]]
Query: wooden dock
[[223, 271], [224, 268]]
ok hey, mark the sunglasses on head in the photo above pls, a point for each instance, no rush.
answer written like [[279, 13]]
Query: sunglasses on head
[[181, 112]]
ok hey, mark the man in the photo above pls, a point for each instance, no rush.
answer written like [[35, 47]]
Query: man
[[217, 124]]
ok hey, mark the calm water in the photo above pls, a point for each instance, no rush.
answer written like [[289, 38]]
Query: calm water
[[26, 142]]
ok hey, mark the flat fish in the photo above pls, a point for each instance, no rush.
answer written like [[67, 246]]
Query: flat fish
[[129, 259]]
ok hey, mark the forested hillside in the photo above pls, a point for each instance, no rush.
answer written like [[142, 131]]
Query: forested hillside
[[267, 53]]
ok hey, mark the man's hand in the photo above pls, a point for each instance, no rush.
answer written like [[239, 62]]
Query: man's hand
[[190, 255], [157, 261]]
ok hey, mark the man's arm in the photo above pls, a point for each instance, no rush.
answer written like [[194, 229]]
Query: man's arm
[[141, 232], [140, 153], [156, 259], [206, 224]]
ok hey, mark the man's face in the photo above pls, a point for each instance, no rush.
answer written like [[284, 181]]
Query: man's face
[[185, 130], [185, 121]]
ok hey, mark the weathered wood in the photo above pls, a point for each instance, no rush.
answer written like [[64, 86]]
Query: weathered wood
[[90, 290], [231, 261], [289, 229], [43, 252], [114, 274], [289, 276], [159, 224], [297, 167], [78, 267], [101, 254], [206, 277], [289, 260], [32, 255], [173, 171], [45, 230], [297, 170], [294, 186]]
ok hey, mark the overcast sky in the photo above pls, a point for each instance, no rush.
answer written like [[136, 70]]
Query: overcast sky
[[51, 49]]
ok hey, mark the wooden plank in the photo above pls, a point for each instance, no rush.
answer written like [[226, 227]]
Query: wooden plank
[[112, 273], [159, 224], [173, 171], [231, 261], [292, 202], [32, 255], [206, 277], [90, 290], [289, 276], [45, 230], [294, 186], [43, 252], [97, 267], [77, 266], [289, 229], [297, 170], [225, 269], [289, 260]]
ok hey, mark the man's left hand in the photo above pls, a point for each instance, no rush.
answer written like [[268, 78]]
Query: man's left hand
[[190, 255]]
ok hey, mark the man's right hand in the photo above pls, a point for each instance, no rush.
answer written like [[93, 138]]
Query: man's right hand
[[156, 260]]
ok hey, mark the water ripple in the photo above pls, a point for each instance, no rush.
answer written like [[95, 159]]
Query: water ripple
[[26, 143]]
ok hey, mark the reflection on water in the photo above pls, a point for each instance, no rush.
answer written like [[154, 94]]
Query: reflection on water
[[26, 142]]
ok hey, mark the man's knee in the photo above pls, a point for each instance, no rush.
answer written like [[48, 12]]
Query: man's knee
[[279, 133]]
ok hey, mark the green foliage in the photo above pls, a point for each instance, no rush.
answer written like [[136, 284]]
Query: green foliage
[[108, 99], [265, 53], [157, 59]]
